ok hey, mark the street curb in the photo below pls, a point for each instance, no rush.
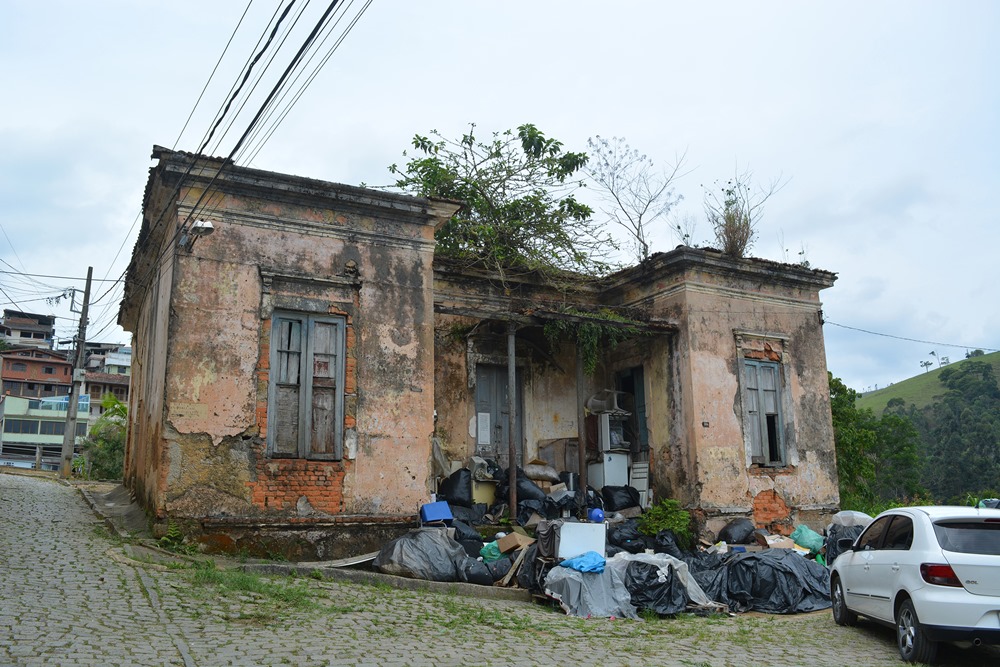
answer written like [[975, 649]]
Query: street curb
[[363, 577]]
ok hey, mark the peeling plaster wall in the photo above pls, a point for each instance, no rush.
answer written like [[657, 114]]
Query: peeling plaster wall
[[297, 245], [710, 309], [145, 457]]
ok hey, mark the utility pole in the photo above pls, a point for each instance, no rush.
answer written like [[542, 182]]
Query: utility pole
[[69, 437]]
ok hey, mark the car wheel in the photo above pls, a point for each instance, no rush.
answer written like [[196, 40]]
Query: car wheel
[[841, 614], [913, 643]]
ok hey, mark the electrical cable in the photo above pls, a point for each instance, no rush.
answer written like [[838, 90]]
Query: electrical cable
[[288, 8], [182, 228], [912, 340], [244, 98], [298, 93], [211, 76]]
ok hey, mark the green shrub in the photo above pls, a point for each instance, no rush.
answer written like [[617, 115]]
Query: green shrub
[[668, 515]]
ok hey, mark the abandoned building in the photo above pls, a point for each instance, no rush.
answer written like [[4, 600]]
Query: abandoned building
[[300, 355]]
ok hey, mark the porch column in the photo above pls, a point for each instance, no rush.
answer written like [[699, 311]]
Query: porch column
[[581, 431], [511, 420]]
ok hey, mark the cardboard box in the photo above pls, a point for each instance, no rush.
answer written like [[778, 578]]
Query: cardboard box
[[780, 542], [512, 541]]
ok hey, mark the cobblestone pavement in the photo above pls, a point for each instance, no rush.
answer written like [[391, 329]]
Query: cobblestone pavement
[[69, 597]]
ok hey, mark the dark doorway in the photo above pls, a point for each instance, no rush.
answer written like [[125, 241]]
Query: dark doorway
[[492, 421], [630, 381]]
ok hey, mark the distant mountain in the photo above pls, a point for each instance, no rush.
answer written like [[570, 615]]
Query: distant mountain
[[921, 389]]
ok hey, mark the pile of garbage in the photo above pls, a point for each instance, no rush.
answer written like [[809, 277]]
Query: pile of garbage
[[605, 565]]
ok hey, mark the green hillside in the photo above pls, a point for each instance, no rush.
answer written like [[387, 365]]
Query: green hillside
[[919, 390]]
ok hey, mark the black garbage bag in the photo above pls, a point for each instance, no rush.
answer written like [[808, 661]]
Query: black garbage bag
[[777, 581], [655, 589], [626, 535], [457, 488], [835, 534], [475, 571], [471, 515], [619, 498], [710, 572], [525, 508], [429, 554], [472, 547], [738, 531], [464, 531], [594, 499], [526, 489], [534, 569], [665, 542], [499, 568]]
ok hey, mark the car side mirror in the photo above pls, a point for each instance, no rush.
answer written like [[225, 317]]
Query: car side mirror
[[845, 544]]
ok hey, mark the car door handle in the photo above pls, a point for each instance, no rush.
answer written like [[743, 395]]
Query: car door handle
[[867, 567], [895, 567]]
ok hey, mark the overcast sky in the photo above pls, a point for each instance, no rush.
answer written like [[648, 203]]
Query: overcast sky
[[881, 118]]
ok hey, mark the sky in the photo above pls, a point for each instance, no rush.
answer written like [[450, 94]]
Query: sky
[[881, 120]]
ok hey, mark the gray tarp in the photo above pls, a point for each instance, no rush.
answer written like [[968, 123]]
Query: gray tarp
[[605, 594]]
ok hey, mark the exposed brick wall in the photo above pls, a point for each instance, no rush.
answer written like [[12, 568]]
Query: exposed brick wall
[[771, 512], [281, 482]]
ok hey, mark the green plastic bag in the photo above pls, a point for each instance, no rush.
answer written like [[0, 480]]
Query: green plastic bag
[[804, 536], [490, 552]]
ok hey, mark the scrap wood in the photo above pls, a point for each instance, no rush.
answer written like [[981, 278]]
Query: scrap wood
[[514, 568]]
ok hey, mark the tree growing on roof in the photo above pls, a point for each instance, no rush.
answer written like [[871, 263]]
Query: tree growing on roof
[[635, 193], [734, 208], [520, 213]]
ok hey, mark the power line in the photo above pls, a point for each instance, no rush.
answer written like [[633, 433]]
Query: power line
[[211, 76], [44, 275], [246, 76], [913, 340]]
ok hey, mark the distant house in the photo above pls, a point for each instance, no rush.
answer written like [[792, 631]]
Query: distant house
[[31, 430], [27, 329], [294, 368], [97, 385], [35, 373]]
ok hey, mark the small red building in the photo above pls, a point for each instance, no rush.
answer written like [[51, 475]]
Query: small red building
[[35, 373]]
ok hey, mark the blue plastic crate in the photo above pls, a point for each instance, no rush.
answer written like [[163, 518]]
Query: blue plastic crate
[[438, 511]]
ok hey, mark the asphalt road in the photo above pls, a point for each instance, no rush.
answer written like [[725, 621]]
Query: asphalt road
[[70, 596]]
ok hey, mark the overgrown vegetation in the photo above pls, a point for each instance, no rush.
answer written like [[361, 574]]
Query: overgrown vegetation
[[104, 446], [173, 540], [636, 194], [599, 331], [519, 213], [734, 209], [668, 515]]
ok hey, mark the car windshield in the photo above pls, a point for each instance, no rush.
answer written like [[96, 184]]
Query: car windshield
[[969, 537]]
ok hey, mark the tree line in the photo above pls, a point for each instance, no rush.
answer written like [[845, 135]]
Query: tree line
[[945, 453]]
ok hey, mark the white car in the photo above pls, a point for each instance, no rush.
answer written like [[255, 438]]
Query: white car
[[933, 572]]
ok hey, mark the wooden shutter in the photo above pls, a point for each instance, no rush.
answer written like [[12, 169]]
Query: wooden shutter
[[753, 416], [324, 344], [286, 373]]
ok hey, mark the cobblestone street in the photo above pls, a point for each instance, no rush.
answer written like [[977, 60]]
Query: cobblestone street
[[71, 597]]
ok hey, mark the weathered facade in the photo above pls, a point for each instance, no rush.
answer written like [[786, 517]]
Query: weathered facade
[[282, 365], [728, 360], [292, 368]]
